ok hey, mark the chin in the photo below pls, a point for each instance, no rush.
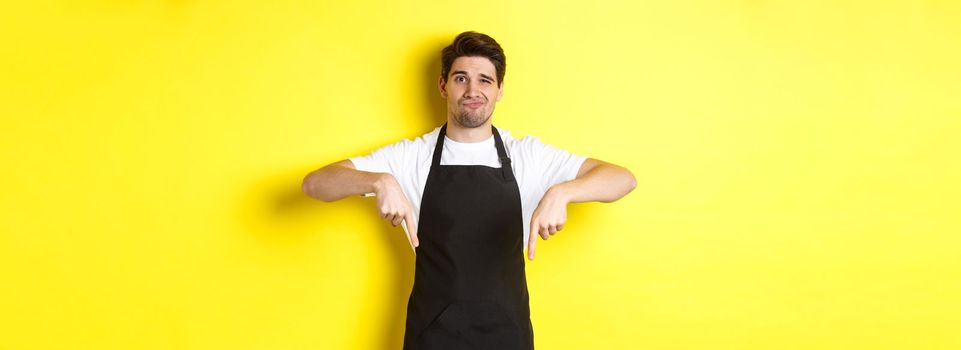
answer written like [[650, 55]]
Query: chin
[[471, 123]]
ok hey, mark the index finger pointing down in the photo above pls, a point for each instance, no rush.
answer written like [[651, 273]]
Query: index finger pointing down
[[411, 229]]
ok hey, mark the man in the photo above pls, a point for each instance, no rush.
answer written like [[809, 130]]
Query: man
[[471, 197]]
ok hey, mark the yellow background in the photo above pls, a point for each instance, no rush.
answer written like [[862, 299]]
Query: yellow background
[[797, 165]]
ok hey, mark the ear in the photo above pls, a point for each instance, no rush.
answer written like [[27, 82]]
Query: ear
[[442, 85], [500, 92]]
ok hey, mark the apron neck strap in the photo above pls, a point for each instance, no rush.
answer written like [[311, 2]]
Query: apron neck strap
[[498, 143]]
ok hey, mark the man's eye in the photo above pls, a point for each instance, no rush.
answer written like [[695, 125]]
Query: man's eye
[[486, 81], [459, 79]]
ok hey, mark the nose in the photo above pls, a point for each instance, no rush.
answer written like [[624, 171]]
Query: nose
[[472, 90]]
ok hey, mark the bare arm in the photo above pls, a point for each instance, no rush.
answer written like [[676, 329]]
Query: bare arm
[[596, 181], [341, 179]]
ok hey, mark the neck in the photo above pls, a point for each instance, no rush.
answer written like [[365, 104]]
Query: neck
[[461, 134]]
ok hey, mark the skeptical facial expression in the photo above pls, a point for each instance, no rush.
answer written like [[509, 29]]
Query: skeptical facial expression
[[471, 90]]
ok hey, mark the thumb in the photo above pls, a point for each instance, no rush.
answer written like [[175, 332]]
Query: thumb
[[531, 242]]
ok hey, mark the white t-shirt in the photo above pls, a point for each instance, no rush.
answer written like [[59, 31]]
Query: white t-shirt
[[537, 166]]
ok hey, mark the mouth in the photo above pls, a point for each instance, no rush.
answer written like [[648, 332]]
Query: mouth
[[474, 105]]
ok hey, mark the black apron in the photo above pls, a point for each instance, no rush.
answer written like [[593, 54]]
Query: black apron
[[470, 287]]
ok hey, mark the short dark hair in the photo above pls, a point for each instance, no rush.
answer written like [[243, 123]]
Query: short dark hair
[[472, 43]]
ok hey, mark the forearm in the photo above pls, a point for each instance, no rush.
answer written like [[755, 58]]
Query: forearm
[[604, 183], [337, 181]]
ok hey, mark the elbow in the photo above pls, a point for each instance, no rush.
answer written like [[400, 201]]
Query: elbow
[[307, 186], [621, 187], [630, 183]]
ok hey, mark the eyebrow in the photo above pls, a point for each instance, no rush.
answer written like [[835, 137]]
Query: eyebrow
[[482, 75]]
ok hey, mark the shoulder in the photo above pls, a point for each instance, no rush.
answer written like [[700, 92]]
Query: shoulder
[[530, 148], [426, 140], [528, 145], [430, 138], [512, 141]]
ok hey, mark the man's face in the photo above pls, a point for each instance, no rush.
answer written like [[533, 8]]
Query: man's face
[[471, 91]]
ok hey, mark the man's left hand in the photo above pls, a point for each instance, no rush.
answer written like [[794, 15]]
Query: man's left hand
[[548, 218]]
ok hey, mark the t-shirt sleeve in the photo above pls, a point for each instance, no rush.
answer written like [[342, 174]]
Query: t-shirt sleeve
[[553, 164], [387, 159]]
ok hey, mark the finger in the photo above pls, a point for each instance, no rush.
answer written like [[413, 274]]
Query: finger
[[410, 240], [544, 233], [397, 220], [532, 241], [390, 218], [552, 230], [411, 229]]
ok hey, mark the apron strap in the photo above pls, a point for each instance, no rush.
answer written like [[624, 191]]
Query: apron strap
[[439, 147], [506, 169]]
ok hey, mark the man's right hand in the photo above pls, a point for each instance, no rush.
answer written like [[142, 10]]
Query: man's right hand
[[394, 206]]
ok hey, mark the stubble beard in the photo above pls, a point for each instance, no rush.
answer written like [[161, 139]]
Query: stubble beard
[[471, 120]]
